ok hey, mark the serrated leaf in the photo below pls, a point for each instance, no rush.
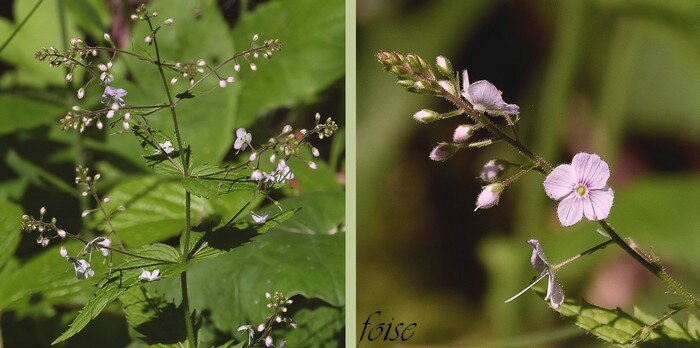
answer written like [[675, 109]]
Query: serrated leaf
[[125, 276], [623, 329], [313, 54], [158, 322]]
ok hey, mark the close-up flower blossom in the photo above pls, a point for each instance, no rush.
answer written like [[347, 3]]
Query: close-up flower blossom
[[581, 189], [149, 276], [113, 96], [83, 270], [243, 139], [485, 97]]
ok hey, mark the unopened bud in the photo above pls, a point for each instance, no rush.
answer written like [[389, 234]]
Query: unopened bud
[[463, 133], [444, 66], [493, 170], [443, 151], [426, 115], [448, 86], [489, 196]]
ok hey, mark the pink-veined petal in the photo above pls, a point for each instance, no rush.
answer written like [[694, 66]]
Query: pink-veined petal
[[590, 170], [570, 210], [597, 203], [465, 83], [560, 182]]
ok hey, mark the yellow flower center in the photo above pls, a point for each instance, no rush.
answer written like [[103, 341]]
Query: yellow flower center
[[581, 190]]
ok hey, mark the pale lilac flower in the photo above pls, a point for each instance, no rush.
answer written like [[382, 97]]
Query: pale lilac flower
[[61, 233], [555, 293], [83, 270], [581, 189], [113, 95], [281, 174], [257, 175], [489, 196], [485, 97], [167, 147], [102, 244], [268, 341], [243, 139], [43, 241], [259, 218], [248, 328], [261, 327], [63, 252], [149, 276], [492, 170], [313, 165]]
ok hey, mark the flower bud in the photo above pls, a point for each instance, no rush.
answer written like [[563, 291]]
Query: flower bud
[[107, 37], [147, 40], [173, 80], [61, 233], [463, 133], [489, 196], [444, 66], [443, 151], [426, 115], [81, 93], [448, 86], [493, 170], [63, 252], [169, 21], [222, 83]]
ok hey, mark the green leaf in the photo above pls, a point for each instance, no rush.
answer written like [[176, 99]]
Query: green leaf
[[36, 174], [156, 321], [10, 217], [21, 111], [42, 29], [313, 54], [125, 277], [204, 121], [623, 329], [155, 209], [319, 327], [293, 260]]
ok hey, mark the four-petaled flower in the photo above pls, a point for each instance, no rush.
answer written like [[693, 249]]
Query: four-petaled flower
[[243, 139], [259, 218], [113, 95], [149, 276], [167, 147], [100, 243], [249, 328], [581, 189], [83, 270], [485, 97]]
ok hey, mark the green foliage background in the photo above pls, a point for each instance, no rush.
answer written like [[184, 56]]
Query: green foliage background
[[619, 78], [302, 256]]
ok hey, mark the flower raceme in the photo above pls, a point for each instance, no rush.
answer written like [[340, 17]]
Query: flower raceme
[[581, 189]]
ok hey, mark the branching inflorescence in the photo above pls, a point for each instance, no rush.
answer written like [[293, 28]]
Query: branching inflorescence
[[96, 64], [580, 187]]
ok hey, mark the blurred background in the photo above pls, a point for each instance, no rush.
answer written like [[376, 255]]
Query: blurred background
[[618, 78]]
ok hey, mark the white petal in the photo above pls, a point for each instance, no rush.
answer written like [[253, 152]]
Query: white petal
[[555, 293], [597, 203], [590, 170]]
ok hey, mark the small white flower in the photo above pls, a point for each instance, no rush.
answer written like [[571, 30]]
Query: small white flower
[[166, 146], [99, 125], [106, 200], [42, 211], [169, 21], [253, 67], [253, 156], [259, 219], [107, 37], [102, 244], [312, 165], [63, 252], [81, 93], [110, 114], [83, 270], [61, 233], [127, 116], [173, 80], [261, 327], [85, 213], [222, 83], [201, 62], [147, 40], [230, 79], [248, 328], [42, 241], [257, 175], [286, 129], [273, 158], [149, 276], [102, 67], [126, 125], [243, 139], [255, 37], [268, 341], [315, 152], [237, 67], [69, 77]]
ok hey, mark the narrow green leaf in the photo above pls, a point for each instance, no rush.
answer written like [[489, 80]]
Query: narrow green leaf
[[10, 217]]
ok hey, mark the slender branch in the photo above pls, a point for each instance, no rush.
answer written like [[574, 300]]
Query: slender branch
[[185, 173], [581, 254], [546, 168], [20, 25]]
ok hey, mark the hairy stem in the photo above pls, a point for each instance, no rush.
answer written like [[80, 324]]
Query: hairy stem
[[185, 173], [546, 168]]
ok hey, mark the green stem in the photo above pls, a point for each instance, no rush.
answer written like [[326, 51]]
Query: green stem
[[546, 168], [21, 24], [185, 173]]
